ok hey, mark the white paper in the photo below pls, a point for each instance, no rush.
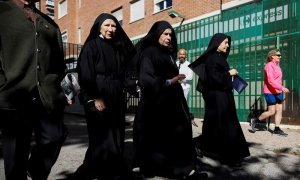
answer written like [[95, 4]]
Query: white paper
[[70, 86]]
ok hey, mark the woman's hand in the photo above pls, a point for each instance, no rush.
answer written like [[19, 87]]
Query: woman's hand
[[70, 101], [286, 90], [99, 104], [177, 79], [233, 72]]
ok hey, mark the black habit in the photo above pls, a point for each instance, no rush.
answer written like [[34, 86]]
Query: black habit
[[221, 132], [101, 72], [162, 126]]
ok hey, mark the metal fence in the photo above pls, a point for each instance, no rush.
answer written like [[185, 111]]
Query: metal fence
[[72, 52], [255, 29]]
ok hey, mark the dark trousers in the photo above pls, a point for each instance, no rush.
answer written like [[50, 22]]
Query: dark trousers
[[17, 128]]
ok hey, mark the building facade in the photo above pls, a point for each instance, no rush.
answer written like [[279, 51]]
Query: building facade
[[256, 26], [75, 17]]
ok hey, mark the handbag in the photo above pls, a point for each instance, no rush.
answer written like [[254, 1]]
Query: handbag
[[239, 84]]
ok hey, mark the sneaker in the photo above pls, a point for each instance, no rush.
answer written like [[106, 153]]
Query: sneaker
[[253, 124], [279, 132]]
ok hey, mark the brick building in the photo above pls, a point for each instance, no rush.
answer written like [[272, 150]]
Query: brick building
[[256, 26], [75, 17]]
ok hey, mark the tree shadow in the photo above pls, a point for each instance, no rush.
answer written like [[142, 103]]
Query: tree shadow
[[283, 163], [76, 126], [271, 165]]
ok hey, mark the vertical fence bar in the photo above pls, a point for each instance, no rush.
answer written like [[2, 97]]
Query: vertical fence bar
[[272, 24]]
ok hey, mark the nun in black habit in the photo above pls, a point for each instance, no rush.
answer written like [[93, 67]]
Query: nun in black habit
[[101, 72], [162, 126], [222, 135]]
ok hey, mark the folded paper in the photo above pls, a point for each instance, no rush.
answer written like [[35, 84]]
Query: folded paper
[[70, 86]]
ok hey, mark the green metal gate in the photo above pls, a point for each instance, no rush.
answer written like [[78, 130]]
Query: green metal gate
[[255, 29]]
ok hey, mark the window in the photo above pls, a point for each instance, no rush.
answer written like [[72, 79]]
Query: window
[[119, 15], [137, 10], [160, 5], [79, 3], [64, 37], [50, 14], [62, 8], [49, 4]]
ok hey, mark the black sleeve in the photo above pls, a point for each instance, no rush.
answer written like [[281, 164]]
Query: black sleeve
[[87, 74], [148, 75], [217, 74]]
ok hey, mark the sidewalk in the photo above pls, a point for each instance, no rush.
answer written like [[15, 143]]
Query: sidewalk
[[272, 157]]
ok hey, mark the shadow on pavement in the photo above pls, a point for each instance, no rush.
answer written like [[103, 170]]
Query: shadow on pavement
[[77, 130], [264, 164]]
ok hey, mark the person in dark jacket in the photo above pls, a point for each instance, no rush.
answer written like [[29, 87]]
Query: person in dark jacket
[[162, 125], [31, 99], [222, 135], [102, 69]]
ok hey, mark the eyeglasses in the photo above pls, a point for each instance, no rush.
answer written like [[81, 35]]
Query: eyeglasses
[[278, 55]]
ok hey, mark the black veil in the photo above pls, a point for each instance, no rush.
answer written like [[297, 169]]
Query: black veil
[[212, 47], [153, 35], [122, 43], [120, 39], [198, 66]]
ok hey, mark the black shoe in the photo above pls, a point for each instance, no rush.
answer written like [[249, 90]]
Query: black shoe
[[70, 177], [232, 163], [147, 173], [279, 132], [73, 176], [199, 152], [196, 176], [235, 164], [253, 124]]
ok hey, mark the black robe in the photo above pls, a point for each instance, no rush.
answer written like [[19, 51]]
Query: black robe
[[162, 126], [222, 134], [102, 67], [101, 75]]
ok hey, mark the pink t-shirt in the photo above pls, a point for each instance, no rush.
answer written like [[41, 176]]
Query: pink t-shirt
[[272, 78]]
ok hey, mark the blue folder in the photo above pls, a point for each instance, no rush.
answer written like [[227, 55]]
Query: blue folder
[[239, 84]]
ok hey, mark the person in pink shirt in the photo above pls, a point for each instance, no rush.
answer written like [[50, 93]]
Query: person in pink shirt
[[273, 91]]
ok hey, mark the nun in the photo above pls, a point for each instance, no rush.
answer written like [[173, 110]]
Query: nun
[[101, 69], [222, 136], [162, 126]]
